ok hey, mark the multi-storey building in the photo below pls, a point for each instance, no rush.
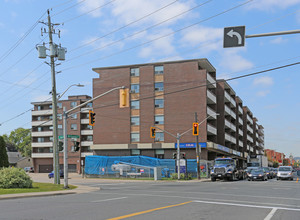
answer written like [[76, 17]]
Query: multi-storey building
[[42, 133], [167, 95]]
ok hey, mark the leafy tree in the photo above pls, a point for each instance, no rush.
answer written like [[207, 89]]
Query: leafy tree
[[21, 138], [3, 154], [285, 162], [275, 164]]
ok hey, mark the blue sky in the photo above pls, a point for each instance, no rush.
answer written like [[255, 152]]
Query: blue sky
[[99, 33]]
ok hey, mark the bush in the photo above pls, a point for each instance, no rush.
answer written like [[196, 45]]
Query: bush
[[14, 178]]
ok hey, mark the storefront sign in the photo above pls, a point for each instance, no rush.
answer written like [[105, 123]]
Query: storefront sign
[[191, 145]]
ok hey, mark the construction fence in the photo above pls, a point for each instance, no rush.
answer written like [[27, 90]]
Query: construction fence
[[140, 167]]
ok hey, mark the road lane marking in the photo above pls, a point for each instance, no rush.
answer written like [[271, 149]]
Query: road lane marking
[[196, 198], [147, 211], [106, 184], [104, 200], [270, 215]]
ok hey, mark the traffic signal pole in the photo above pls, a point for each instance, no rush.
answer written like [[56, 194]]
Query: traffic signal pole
[[65, 116], [198, 153]]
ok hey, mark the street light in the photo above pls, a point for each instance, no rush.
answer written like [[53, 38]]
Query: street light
[[78, 85]]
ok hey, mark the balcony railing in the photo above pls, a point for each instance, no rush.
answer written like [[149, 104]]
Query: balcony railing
[[211, 81], [241, 132], [249, 119], [230, 138], [86, 132], [240, 110], [211, 130], [240, 121], [84, 121], [249, 129], [249, 138], [230, 125], [212, 99], [42, 112], [230, 112], [241, 144], [41, 123], [42, 144], [211, 112], [42, 155], [86, 143], [42, 134]]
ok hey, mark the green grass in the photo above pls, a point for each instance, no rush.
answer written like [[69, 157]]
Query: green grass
[[37, 187]]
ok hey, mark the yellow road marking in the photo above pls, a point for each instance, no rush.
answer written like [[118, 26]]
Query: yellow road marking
[[147, 211]]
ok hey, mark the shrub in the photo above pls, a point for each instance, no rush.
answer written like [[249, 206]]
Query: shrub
[[14, 178]]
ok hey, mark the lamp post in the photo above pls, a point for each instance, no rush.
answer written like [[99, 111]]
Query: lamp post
[[198, 149], [78, 85]]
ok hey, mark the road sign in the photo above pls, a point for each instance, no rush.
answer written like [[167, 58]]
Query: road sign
[[60, 137], [234, 36], [72, 136]]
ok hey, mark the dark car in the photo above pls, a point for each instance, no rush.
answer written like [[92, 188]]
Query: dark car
[[268, 172], [257, 174], [51, 175], [29, 169]]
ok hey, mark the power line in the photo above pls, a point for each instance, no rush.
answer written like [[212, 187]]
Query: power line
[[72, 6], [59, 5], [158, 38]]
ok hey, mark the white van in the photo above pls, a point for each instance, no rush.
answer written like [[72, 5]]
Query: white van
[[285, 172]]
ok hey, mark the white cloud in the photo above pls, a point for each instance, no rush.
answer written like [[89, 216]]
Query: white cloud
[[263, 93], [89, 5], [263, 81], [234, 62], [100, 44], [278, 40], [270, 5]]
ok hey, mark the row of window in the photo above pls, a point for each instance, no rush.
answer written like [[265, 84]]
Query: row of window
[[159, 120], [43, 139], [158, 86], [157, 71], [158, 103], [135, 137], [59, 105]]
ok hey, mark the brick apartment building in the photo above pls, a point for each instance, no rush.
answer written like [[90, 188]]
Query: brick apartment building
[[42, 134], [167, 95]]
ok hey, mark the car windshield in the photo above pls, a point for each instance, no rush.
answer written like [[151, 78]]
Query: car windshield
[[266, 169], [255, 171], [224, 161], [285, 169]]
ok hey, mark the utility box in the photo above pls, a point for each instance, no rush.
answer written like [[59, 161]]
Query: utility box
[[42, 51], [61, 53], [53, 50], [157, 173]]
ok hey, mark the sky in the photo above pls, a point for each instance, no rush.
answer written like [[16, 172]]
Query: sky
[[101, 33]]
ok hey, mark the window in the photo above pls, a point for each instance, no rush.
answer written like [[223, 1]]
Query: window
[[89, 127], [51, 128], [74, 116], [135, 152], [89, 138], [135, 137], [134, 88], [41, 139], [59, 116], [158, 70], [135, 120], [159, 103], [159, 119], [134, 72], [135, 104], [51, 139], [73, 104], [159, 86], [59, 126], [73, 126], [59, 105], [51, 117], [40, 150], [50, 106], [159, 153], [159, 136], [51, 149], [40, 128], [89, 105], [39, 118], [40, 107]]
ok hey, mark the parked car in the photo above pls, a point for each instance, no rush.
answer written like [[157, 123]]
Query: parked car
[[257, 174], [285, 172], [29, 169], [51, 175], [268, 172]]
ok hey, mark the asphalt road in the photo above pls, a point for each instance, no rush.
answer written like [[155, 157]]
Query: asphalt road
[[164, 200]]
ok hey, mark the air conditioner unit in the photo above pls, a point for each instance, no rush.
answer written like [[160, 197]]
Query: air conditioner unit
[[132, 91], [156, 106]]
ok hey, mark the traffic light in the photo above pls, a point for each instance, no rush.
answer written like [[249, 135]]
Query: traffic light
[[195, 129], [91, 118], [174, 156], [60, 146], [182, 155], [76, 146], [152, 132], [124, 98]]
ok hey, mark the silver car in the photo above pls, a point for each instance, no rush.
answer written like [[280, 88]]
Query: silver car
[[285, 172]]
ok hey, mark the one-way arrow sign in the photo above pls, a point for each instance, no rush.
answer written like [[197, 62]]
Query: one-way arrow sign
[[234, 36]]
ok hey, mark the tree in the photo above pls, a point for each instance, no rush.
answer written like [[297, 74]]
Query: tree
[[3, 154], [21, 138], [275, 164], [285, 162]]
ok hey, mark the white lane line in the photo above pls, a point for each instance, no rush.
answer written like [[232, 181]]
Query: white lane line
[[245, 205], [210, 199], [270, 215], [106, 184], [104, 200]]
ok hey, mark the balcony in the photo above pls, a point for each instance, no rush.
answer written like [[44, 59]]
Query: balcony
[[241, 132], [84, 154], [241, 144], [230, 112], [84, 121], [41, 144], [211, 112], [228, 98], [42, 134], [211, 98], [249, 119], [86, 143], [85, 110], [211, 81], [211, 130], [251, 149], [42, 155], [230, 138], [249, 138], [86, 132], [240, 121], [228, 124], [249, 129], [41, 123], [42, 112], [240, 110]]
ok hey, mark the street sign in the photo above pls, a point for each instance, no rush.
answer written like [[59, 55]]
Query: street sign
[[60, 137], [234, 36], [72, 136]]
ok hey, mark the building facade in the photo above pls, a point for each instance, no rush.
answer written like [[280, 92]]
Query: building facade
[[167, 95], [42, 133]]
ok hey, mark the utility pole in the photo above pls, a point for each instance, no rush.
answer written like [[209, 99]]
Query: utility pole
[[59, 53], [198, 152]]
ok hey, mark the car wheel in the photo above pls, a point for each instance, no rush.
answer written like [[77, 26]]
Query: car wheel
[[278, 178], [248, 179], [213, 179]]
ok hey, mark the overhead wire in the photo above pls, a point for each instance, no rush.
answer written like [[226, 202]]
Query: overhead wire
[[72, 6]]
